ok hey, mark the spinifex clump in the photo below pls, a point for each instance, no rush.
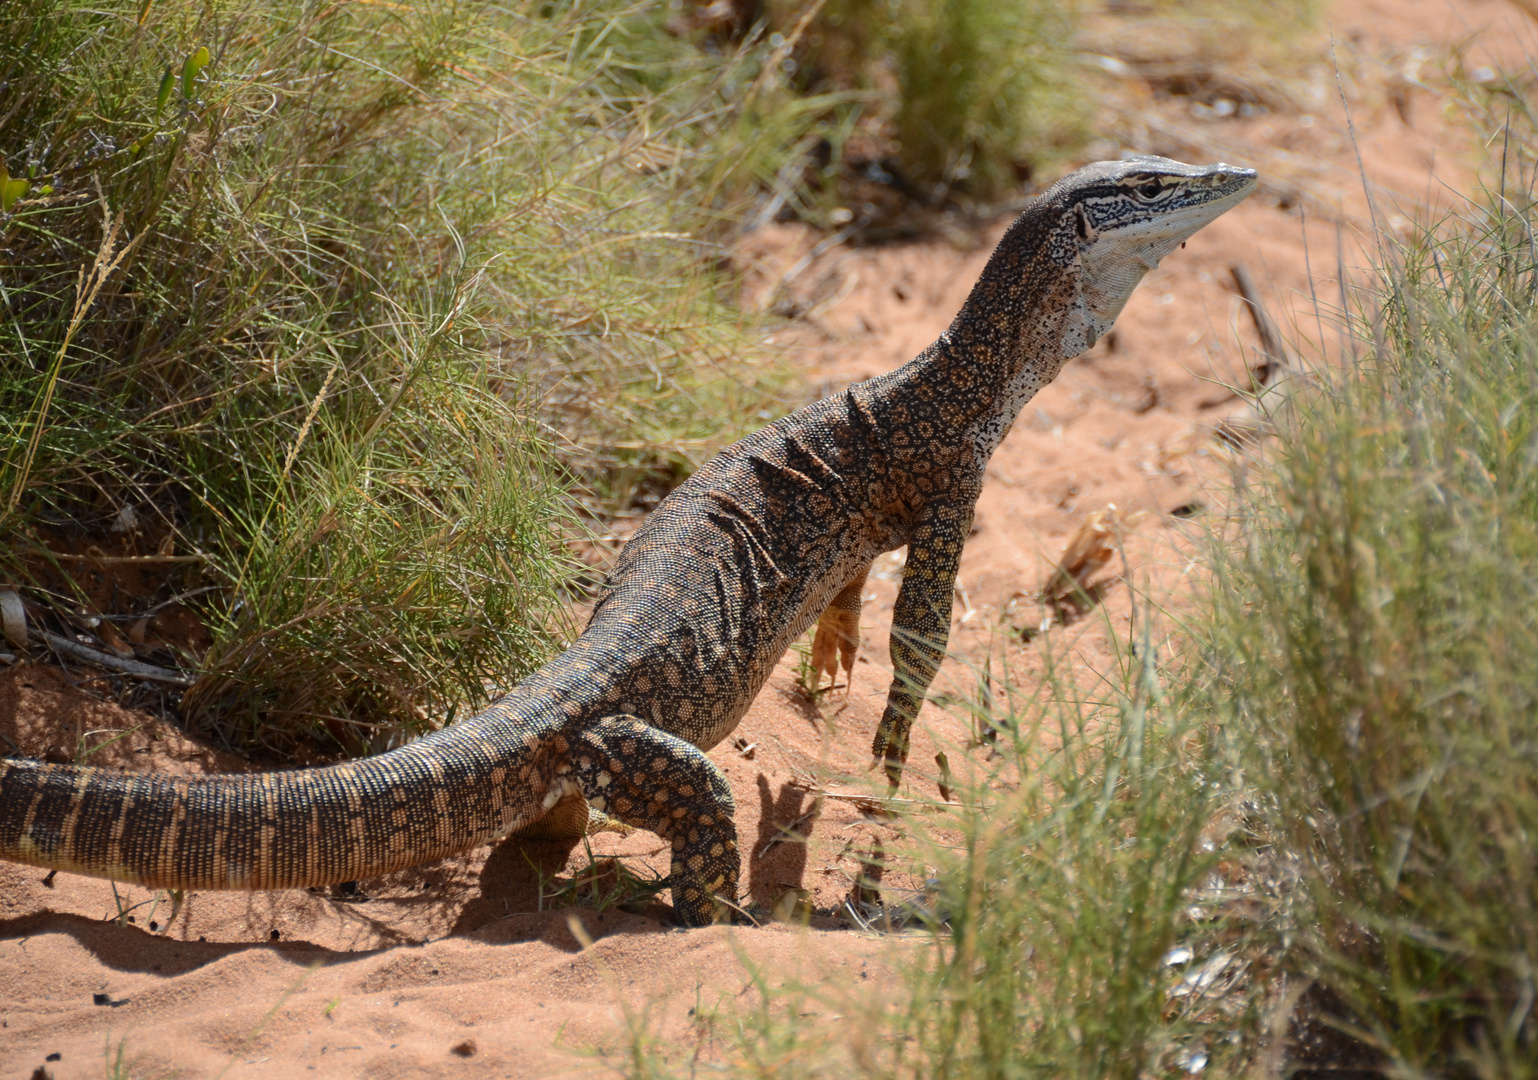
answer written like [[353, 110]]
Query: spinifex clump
[[288, 292]]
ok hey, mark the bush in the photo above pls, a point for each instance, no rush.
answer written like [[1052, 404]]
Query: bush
[[326, 296], [986, 93], [1373, 648]]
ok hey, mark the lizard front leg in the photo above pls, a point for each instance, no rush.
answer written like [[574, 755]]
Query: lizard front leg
[[838, 630], [921, 625], [648, 778]]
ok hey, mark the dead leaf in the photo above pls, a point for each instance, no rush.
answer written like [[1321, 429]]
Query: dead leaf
[[113, 640], [1088, 550]]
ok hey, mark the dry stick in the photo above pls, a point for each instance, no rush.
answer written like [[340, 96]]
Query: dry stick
[[869, 803], [788, 833], [1271, 343], [122, 560], [114, 663]]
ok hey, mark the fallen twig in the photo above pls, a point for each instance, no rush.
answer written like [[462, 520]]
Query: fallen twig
[[872, 804], [788, 833], [123, 560], [135, 668], [1271, 344]]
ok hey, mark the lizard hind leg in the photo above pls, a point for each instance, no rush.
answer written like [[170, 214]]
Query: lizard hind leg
[[645, 777], [571, 819], [838, 631]]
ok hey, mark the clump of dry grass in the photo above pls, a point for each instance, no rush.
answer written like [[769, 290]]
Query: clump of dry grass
[[1372, 655], [333, 301]]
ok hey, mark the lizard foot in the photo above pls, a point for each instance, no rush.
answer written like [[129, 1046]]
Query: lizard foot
[[648, 778], [890, 747], [699, 883], [838, 639]]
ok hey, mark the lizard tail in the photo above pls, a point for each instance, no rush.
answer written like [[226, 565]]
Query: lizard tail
[[453, 791]]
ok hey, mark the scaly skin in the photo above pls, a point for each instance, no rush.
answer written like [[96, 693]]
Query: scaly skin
[[733, 566]]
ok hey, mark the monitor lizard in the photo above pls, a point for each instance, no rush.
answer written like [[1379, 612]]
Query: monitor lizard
[[774, 534]]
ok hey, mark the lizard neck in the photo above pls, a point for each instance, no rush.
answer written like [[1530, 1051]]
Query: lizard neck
[[1022, 320]]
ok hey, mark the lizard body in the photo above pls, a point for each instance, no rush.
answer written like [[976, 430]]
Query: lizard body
[[772, 535]]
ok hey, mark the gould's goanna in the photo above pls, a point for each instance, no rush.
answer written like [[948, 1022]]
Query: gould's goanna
[[774, 534]]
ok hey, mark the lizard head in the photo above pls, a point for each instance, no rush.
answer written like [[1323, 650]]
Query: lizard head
[[1117, 219]]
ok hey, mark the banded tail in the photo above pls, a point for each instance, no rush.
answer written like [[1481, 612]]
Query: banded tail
[[455, 790]]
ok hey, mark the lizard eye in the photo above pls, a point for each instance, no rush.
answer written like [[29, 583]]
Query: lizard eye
[[1151, 190]]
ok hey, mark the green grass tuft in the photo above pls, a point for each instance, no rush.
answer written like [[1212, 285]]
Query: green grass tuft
[[986, 93]]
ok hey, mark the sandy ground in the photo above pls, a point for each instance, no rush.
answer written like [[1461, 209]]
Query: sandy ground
[[454, 968]]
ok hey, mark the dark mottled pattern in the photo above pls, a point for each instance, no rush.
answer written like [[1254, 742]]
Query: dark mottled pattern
[[732, 567]]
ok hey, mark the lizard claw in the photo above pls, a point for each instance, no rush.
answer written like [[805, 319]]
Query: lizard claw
[[890, 749], [837, 643]]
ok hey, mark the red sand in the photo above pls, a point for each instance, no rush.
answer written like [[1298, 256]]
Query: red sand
[[451, 969]]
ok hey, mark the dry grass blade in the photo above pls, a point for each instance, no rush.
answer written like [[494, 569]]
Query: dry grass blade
[[87, 287]]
